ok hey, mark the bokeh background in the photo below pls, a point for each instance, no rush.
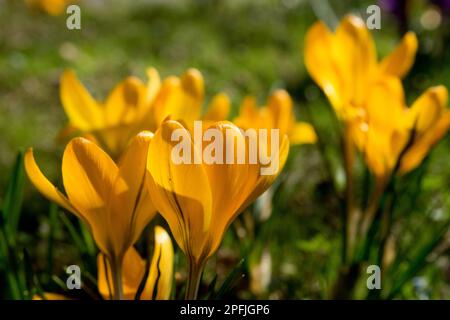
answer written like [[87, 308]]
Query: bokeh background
[[241, 47]]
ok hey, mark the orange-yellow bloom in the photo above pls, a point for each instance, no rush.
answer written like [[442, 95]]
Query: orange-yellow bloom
[[344, 63], [199, 201], [109, 198], [278, 114], [133, 106], [397, 137], [111, 124]]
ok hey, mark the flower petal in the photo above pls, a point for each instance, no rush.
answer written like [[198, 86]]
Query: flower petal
[[302, 133], [218, 109], [133, 271], [400, 61], [89, 175], [180, 192], [82, 110], [46, 187], [357, 57], [280, 106], [161, 268], [181, 99], [428, 109], [323, 65], [131, 207], [122, 105]]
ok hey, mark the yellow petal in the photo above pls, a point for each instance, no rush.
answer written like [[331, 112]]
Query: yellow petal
[[180, 192], [302, 133], [249, 115], [46, 187], [265, 181], [131, 206], [161, 268], [218, 109], [428, 109], [82, 110], [414, 156], [122, 105], [133, 271], [400, 61], [280, 106], [230, 183], [153, 86], [357, 58], [180, 99], [89, 175], [323, 64]]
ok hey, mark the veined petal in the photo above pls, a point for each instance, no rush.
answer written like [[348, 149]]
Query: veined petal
[[302, 133], [218, 109], [82, 110], [89, 175], [131, 207], [400, 61], [160, 277], [180, 192], [232, 180]]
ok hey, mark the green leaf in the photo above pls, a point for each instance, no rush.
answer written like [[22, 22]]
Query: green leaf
[[230, 281], [51, 238], [88, 240], [77, 239], [418, 262], [12, 204]]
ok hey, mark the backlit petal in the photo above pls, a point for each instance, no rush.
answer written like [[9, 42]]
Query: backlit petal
[[400, 61], [89, 175], [180, 192], [161, 268], [82, 110]]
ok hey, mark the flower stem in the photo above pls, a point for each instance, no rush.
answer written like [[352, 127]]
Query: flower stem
[[195, 275], [116, 270]]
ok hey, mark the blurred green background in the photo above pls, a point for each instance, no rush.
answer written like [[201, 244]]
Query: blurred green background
[[241, 47]]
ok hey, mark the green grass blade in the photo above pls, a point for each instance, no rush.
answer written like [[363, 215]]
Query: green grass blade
[[418, 262], [230, 280], [13, 199]]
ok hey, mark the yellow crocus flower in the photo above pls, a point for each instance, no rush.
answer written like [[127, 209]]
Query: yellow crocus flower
[[278, 114], [344, 63], [109, 198], [113, 123], [51, 7], [396, 137], [199, 201], [133, 106]]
